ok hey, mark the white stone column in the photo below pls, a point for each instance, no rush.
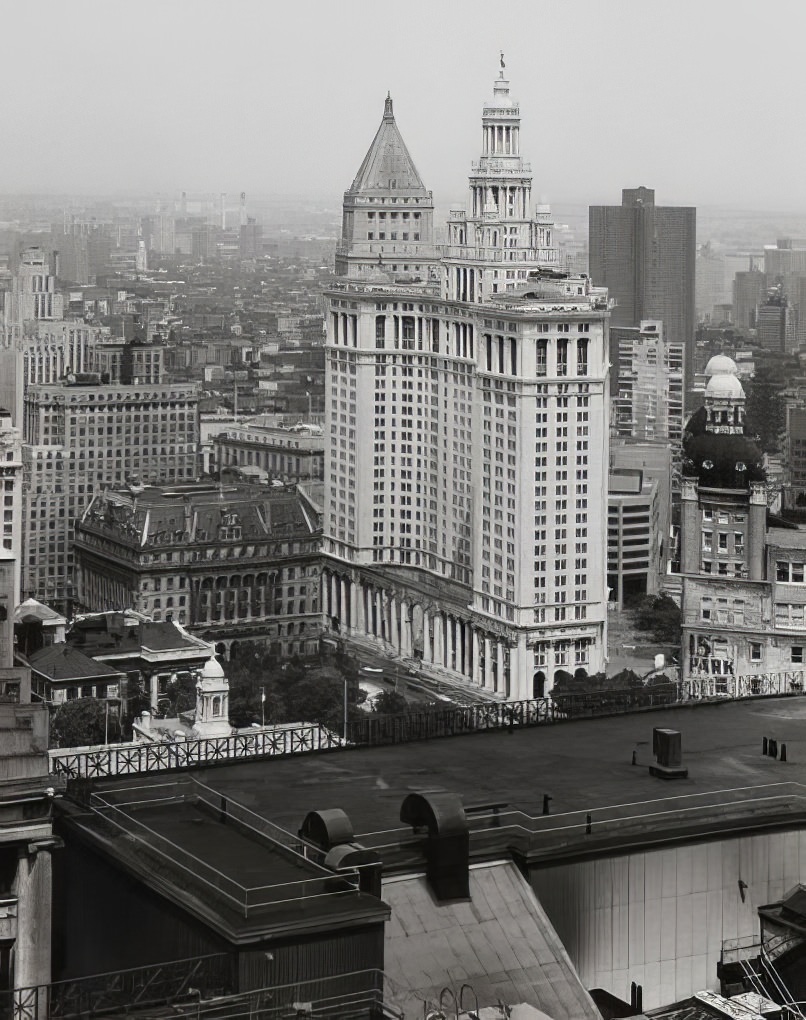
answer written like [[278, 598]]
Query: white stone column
[[353, 606], [439, 641], [333, 603], [394, 638], [449, 646], [499, 646], [32, 946], [475, 665], [427, 652], [405, 628], [344, 609], [486, 673]]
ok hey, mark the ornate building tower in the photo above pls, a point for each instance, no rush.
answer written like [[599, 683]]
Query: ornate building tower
[[494, 245], [388, 216], [466, 457]]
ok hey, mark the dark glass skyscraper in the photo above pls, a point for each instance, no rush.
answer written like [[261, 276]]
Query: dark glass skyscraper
[[644, 254]]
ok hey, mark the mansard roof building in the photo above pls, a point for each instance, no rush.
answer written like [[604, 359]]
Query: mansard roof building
[[225, 561]]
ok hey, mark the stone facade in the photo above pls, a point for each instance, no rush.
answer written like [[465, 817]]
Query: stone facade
[[466, 464], [226, 562]]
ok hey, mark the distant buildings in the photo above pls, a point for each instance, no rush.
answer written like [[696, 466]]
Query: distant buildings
[[776, 326], [229, 563], [645, 255], [794, 447], [748, 293], [34, 294], [293, 454], [83, 435], [465, 467], [646, 383], [11, 481]]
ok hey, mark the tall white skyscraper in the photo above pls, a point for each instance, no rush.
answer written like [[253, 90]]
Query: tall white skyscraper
[[467, 447]]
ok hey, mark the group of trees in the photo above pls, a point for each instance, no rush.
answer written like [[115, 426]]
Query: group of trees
[[84, 721], [660, 615], [293, 691], [583, 693]]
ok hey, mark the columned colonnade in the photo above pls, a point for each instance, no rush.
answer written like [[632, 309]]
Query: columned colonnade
[[414, 628]]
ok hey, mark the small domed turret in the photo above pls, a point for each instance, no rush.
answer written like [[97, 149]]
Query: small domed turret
[[721, 364]]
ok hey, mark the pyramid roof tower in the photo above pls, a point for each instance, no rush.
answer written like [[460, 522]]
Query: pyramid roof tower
[[388, 215], [387, 165]]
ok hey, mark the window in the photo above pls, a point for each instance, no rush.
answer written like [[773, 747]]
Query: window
[[755, 651], [797, 654]]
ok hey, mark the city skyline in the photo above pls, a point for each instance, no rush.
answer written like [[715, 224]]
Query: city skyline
[[251, 97]]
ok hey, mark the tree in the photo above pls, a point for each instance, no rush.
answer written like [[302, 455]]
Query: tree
[[766, 412], [660, 614], [182, 694], [390, 703], [80, 722]]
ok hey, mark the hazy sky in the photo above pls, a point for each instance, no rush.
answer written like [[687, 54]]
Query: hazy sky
[[700, 100]]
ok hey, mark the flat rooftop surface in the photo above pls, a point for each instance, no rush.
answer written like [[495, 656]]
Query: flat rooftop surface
[[583, 765]]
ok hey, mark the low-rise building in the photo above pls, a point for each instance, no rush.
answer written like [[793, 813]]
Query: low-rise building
[[227, 562], [62, 672], [148, 655], [293, 453]]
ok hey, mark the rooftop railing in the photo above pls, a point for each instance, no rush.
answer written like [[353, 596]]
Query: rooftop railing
[[119, 809]]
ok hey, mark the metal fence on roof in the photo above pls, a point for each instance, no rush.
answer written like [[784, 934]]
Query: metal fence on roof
[[369, 730]]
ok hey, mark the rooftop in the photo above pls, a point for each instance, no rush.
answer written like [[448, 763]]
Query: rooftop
[[160, 515], [585, 765], [66, 662], [233, 869]]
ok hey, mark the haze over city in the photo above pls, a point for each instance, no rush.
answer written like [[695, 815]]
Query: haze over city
[[694, 99], [403, 539]]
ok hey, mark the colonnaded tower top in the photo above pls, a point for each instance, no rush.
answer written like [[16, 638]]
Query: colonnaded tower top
[[388, 215], [498, 241]]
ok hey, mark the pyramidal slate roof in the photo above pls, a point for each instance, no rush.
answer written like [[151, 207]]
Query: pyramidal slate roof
[[66, 662], [387, 161]]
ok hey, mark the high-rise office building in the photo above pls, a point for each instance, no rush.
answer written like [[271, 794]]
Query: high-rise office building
[[33, 293], [749, 288], [467, 447], [11, 484], [645, 255], [44, 351], [646, 383], [776, 328], [82, 435]]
